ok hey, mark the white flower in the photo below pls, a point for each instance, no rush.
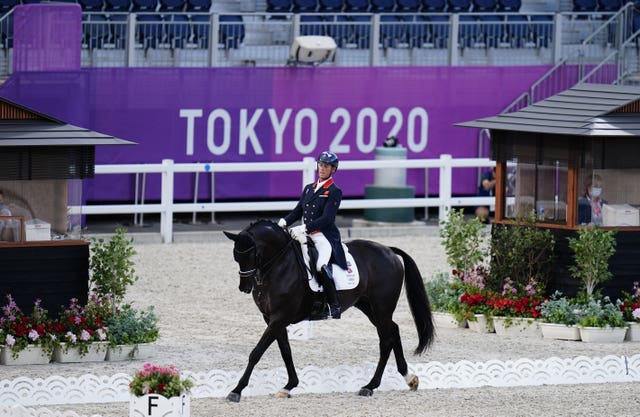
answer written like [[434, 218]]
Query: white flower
[[636, 313], [33, 335], [101, 334], [10, 340], [85, 335], [71, 337]]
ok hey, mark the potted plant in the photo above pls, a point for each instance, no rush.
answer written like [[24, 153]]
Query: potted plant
[[129, 330], [515, 310], [474, 301], [560, 317], [159, 388], [631, 312], [25, 339], [444, 298], [82, 332], [591, 252], [602, 321]]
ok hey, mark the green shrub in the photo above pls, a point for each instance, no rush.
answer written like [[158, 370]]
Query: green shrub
[[130, 326], [561, 310], [444, 296], [522, 252], [464, 242], [111, 267], [602, 313]]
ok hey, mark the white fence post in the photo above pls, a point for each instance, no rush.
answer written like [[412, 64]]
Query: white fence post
[[309, 171], [166, 216], [445, 187]]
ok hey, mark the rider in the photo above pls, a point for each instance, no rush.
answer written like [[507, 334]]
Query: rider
[[317, 207]]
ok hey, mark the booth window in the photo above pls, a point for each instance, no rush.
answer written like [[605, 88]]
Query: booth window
[[609, 166]]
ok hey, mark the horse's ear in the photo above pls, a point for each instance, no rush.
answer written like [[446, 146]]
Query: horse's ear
[[230, 235]]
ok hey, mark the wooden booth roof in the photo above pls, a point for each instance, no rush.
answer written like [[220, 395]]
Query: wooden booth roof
[[21, 126], [584, 110]]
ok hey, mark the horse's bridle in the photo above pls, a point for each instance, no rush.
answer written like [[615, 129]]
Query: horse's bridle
[[253, 273]]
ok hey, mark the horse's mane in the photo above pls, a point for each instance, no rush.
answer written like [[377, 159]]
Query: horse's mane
[[270, 224]]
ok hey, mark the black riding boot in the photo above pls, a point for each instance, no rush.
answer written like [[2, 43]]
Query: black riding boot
[[330, 290]]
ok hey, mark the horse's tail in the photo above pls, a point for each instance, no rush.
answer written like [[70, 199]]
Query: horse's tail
[[418, 302]]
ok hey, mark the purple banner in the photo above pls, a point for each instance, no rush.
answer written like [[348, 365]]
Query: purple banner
[[273, 114], [46, 37]]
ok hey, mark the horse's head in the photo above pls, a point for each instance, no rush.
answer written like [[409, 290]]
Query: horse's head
[[253, 247]]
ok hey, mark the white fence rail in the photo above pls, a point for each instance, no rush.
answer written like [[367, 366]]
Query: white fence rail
[[167, 169]]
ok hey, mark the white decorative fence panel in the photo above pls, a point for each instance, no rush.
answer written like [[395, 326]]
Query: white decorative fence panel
[[216, 383]]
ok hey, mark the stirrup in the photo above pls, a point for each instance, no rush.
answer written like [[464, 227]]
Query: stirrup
[[334, 311]]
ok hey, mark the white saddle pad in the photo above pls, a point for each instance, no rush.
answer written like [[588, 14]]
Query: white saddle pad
[[344, 279]]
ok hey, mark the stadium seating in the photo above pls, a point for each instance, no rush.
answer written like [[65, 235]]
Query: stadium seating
[[91, 5], [232, 31], [519, 30], [484, 5], [312, 25], [330, 6], [118, 5], [172, 5], [542, 28], [97, 33], [609, 5], [408, 6], [6, 5], [304, 6], [382, 6], [178, 29], [456, 6], [585, 5], [279, 6], [392, 30], [509, 5]]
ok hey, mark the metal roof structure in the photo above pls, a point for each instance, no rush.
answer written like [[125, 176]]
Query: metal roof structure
[[21, 126], [583, 110]]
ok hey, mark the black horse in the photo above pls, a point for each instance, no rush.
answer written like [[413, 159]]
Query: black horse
[[271, 266]]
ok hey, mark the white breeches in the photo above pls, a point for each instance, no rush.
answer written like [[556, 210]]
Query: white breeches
[[324, 249]]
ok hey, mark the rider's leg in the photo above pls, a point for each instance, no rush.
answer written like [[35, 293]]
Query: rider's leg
[[325, 276]]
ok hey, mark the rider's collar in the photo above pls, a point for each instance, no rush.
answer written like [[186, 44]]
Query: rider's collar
[[326, 183]]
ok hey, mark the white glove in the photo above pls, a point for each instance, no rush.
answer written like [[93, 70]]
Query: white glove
[[282, 223], [299, 233]]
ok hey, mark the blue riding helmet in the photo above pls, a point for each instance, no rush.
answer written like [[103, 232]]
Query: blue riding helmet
[[329, 158]]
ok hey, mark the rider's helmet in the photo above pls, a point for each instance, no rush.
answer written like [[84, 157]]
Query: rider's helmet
[[329, 158]]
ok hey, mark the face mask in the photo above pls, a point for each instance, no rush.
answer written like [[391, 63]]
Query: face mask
[[596, 191]]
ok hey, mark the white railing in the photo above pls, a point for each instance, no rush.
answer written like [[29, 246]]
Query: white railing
[[167, 169]]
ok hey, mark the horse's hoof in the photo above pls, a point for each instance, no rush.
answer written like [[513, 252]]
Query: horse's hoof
[[283, 393], [413, 383], [365, 392], [234, 397]]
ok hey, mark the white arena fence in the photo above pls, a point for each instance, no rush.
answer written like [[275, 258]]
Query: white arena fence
[[168, 169]]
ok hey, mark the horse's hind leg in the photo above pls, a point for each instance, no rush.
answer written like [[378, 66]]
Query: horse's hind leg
[[389, 335], [285, 351]]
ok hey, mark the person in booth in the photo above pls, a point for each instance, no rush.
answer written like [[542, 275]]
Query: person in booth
[[590, 205], [318, 206], [6, 234]]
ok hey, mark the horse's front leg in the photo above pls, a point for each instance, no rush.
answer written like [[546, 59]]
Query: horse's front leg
[[285, 351], [271, 332]]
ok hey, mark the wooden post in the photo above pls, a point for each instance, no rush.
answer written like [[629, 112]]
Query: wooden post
[[500, 190]]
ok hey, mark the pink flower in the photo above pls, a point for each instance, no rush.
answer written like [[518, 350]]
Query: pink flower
[[10, 340], [636, 314], [85, 335], [33, 335]]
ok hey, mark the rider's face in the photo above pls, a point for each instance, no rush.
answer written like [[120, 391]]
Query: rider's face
[[324, 170]]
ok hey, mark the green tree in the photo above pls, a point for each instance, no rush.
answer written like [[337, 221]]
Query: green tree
[[591, 252], [111, 266]]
